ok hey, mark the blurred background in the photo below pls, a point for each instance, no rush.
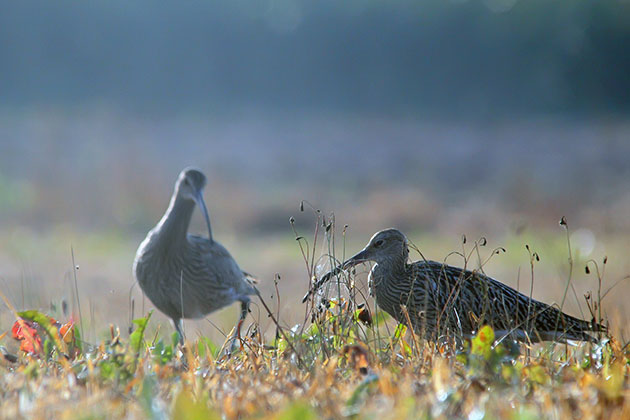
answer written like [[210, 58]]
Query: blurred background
[[490, 118]]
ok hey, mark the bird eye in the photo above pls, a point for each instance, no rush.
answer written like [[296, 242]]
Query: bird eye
[[378, 243]]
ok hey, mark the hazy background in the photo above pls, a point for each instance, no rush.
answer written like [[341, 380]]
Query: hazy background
[[486, 118]]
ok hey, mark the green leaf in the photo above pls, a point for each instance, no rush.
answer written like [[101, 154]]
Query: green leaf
[[161, 353], [186, 408], [401, 329], [482, 342], [537, 374], [175, 339], [201, 349], [406, 348], [107, 369], [213, 348], [524, 413], [136, 337], [297, 410], [48, 346], [282, 345], [32, 370], [312, 330], [48, 326], [78, 340]]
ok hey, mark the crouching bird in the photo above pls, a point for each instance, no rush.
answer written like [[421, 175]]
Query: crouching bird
[[188, 276], [439, 299]]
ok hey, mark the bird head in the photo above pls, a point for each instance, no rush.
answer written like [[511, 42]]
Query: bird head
[[386, 245], [189, 186]]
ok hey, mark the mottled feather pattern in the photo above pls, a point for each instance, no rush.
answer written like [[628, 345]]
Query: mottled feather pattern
[[206, 286], [446, 299], [439, 299]]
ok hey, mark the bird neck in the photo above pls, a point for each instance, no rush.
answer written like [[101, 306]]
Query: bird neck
[[173, 227], [395, 264]]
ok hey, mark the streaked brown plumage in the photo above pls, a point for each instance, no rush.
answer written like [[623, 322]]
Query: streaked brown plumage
[[441, 299], [188, 276]]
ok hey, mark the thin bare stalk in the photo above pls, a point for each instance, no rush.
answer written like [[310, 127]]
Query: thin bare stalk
[[76, 290]]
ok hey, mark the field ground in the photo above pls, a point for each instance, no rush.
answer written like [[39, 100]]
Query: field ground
[[334, 367], [95, 184], [37, 272]]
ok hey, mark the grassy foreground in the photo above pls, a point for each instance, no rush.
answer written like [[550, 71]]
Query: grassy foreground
[[338, 367], [346, 360]]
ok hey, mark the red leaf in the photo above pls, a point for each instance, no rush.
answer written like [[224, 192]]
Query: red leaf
[[25, 332]]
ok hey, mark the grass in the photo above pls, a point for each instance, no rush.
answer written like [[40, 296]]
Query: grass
[[343, 360]]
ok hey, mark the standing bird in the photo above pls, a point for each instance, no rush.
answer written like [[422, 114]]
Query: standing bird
[[439, 299], [188, 276]]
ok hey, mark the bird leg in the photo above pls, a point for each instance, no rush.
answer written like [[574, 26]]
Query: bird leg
[[179, 327], [237, 329]]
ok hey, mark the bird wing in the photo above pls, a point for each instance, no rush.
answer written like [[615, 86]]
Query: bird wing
[[474, 299], [218, 264]]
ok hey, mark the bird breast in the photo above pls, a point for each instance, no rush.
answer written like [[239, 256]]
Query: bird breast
[[191, 279]]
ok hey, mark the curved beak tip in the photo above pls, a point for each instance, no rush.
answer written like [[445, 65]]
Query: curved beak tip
[[359, 258], [202, 205]]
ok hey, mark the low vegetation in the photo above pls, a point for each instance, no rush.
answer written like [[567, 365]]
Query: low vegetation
[[346, 360]]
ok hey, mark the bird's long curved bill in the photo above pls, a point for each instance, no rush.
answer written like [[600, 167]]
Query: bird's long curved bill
[[350, 262], [202, 205]]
